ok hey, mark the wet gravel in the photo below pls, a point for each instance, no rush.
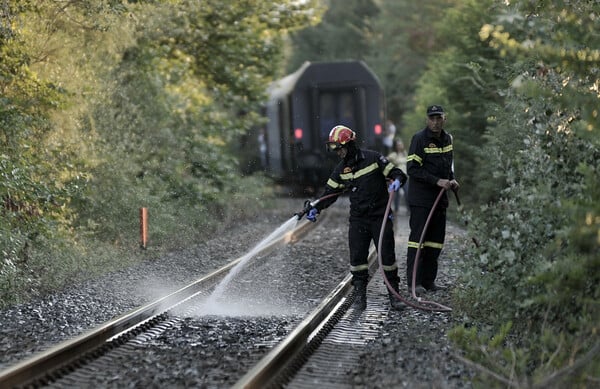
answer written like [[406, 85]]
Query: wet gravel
[[269, 300], [413, 350]]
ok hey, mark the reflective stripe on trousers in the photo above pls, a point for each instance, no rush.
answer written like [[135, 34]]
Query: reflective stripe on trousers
[[432, 244], [363, 231]]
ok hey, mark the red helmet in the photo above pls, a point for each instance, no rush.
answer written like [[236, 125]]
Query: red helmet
[[340, 136]]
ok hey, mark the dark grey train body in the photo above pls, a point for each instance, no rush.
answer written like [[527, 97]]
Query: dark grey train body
[[305, 105]]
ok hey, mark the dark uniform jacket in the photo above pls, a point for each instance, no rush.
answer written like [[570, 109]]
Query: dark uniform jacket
[[364, 177], [429, 159]]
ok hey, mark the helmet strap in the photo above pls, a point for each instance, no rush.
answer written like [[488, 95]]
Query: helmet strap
[[352, 150]]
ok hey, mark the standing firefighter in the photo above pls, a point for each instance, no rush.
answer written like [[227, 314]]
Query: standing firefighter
[[430, 168], [363, 174]]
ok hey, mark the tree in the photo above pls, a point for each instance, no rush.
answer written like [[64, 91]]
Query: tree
[[342, 34], [465, 76], [37, 181], [401, 42], [192, 83], [109, 106], [534, 269]]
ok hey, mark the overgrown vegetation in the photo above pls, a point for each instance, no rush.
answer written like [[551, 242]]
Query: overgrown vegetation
[[109, 106], [534, 272]]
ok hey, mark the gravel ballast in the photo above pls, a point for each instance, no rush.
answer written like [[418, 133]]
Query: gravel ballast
[[411, 351]]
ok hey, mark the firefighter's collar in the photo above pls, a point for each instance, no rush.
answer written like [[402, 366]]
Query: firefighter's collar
[[355, 158], [431, 135]]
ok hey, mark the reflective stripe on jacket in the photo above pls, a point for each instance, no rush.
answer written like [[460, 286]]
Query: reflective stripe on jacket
[[429, 159], [364, 178]]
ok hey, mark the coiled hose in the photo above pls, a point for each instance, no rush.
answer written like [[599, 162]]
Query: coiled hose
[[425, 305], [433, 306]]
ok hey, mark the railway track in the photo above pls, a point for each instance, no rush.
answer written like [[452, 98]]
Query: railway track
[[78, 361], [316, 349], [250, 343]]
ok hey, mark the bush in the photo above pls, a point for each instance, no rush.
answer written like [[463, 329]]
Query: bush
[[531, 286]]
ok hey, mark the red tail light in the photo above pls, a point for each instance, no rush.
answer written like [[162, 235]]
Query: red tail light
[[377, 129], [298, 133]]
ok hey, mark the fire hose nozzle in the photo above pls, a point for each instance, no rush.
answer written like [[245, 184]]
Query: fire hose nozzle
[[307, 206]]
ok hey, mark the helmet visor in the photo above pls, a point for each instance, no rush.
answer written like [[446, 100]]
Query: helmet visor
[[333, 146]]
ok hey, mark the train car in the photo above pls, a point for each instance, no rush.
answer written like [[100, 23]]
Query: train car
[[302, 109]]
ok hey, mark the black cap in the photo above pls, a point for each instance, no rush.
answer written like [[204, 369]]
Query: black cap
[[435, 110]]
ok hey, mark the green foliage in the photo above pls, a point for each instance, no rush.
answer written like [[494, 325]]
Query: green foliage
[[465, 76], [401, 42], [342, 34], [503, 363], [543, 180], [538, 238], [111, 106], [189, 87], [37, 182]]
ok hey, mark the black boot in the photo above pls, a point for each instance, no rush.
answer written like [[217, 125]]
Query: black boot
[[395, 303], [394, 280], [360, 295]]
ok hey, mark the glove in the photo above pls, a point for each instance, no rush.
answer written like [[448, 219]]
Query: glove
[[312, 215], [394, 186], [305, 210]]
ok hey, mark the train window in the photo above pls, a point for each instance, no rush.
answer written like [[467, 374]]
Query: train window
[[337, 107], [326, 115], [347, 109]]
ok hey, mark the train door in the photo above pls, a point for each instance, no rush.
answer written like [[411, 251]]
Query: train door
[[329, 107], [340, 106]]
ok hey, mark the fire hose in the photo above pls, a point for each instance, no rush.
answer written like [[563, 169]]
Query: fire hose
[[433, 306], [425, 305]]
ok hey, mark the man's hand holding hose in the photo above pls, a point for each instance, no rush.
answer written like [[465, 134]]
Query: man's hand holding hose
[[448, 184]]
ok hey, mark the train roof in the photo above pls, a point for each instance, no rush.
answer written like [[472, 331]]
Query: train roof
[[322, 73]]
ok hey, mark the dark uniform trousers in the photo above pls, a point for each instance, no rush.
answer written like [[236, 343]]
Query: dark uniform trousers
[[431, 247], [361, 232]]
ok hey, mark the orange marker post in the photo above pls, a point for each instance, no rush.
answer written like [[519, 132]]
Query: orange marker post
[[144, 227]]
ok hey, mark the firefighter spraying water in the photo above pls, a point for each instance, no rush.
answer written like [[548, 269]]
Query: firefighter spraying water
[[363, 174]]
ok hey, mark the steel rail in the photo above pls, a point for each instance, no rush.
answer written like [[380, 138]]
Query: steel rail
[[269, 370], [66, 352]]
